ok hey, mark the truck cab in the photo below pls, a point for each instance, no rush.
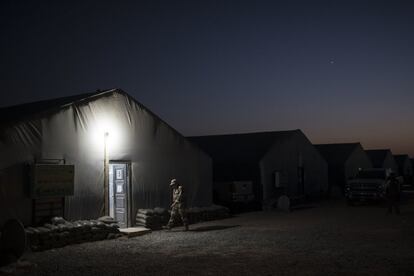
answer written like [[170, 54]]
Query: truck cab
[[368, 185]]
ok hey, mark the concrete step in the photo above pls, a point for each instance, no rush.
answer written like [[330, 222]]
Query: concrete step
[[134, 231]]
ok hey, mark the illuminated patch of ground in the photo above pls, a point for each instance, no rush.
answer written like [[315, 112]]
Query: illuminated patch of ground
[[330, 239]]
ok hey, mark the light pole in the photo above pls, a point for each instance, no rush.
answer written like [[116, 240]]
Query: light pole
[[106, 182]]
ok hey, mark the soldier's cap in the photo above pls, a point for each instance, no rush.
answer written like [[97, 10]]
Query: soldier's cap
[[173, 182]]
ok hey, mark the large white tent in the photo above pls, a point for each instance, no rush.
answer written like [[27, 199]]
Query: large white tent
[[84, 131]]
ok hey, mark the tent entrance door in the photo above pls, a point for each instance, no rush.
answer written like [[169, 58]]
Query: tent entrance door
[[119, 188]]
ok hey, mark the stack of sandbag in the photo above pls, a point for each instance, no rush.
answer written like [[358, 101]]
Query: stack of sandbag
[[152, 218], [156, 218], [60, 232]]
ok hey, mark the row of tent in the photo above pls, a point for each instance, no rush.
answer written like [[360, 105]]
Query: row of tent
[[345, 160], [288, 160], [108, 134]]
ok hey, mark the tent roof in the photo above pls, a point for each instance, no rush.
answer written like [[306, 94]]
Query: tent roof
[[401, 158], [241, 148], [13, 114], [337, 154], [378, 156], [16, 113], [20, 112]]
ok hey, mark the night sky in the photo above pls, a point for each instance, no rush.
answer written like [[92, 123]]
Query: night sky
[[341, 71]]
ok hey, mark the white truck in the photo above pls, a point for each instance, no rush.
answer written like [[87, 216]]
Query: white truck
[[368, 185]]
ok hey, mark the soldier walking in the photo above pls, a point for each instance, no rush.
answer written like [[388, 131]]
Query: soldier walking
[[393, 194], [178, 205]]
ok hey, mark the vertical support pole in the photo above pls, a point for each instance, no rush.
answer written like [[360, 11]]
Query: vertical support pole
[[106, 175]]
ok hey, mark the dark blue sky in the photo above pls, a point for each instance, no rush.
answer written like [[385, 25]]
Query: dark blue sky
[[341, 71]]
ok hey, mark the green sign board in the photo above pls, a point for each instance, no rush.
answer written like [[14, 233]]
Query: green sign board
[[52, 180]]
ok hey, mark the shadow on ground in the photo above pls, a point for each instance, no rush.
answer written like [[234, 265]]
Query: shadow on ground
[[301, 207], [212, 228]]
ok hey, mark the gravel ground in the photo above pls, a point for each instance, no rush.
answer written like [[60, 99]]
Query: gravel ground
[[328, 239]]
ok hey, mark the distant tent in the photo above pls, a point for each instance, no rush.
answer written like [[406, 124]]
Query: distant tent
[[344, 161], [261, 156], [405, 167], [412, 165], [143, 154], [382, 158]]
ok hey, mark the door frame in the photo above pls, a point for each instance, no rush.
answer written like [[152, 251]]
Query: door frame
[[130, 222]]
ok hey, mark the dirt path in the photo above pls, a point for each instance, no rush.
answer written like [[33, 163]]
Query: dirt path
[[329, 239]]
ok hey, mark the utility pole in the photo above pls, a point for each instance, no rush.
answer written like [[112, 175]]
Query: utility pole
[[106, 175]]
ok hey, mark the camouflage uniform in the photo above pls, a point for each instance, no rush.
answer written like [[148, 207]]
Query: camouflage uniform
[[178, 206]]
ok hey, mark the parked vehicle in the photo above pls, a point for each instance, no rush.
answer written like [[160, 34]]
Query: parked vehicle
[[368, 185], [236, 195], [242, 191], [234, 191]]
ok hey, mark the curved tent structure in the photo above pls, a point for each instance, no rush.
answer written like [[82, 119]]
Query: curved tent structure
[[96, 133], [270, 160]]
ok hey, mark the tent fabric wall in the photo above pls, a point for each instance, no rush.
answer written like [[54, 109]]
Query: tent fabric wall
[[75, 132], [236, 157], [382, 158], [389, 162], [408, 169], [284, 156], [259, 155], [19, 145], [404, 165], [344, 161], [356, 160]]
